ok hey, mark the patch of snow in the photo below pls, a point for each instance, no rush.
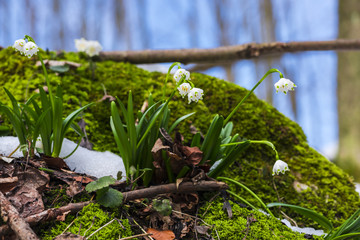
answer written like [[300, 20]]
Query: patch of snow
[[305, 230], [357, 188], [97, 164]]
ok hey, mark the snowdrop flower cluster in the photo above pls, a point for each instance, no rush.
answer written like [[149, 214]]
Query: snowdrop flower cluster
[[194, 94], [27, 48], [284, 85], [91, 48], [280, 167]]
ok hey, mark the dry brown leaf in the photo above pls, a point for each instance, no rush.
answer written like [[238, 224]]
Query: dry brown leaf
[[55, 162], [63, 216], [161, 235], [178, 181], [83, 179], [74, 189], [193, 155], [8, 184]]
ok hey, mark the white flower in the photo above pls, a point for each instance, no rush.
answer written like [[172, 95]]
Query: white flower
[[30, 49], [280, 167], [180, 73], [19, 45], [93, 48], [195, 95], [81, 44], [184, 89], [39, 144], [284, 85]]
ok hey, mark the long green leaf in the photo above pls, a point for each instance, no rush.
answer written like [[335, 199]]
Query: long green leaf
[[179, 120], [320, 219], [229, 159], [346, 236]]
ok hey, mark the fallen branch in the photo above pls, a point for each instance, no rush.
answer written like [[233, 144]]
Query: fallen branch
[[18, 224], [185, 187], [227, 53], [48, 215]]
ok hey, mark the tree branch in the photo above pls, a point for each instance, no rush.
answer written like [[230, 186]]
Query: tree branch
[[227, 53], [186, 187], [18, 224]]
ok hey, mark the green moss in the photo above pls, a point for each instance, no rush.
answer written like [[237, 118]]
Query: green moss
[[244, 222], [90, 215], [329, 186]]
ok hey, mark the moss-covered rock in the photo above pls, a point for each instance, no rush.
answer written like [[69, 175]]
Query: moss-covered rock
[[313, 182]]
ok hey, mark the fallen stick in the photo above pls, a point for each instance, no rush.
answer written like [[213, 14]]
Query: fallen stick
[[185, 187], [18, 224], [47, 215], [227, 53]]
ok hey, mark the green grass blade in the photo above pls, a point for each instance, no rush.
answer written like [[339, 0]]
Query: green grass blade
[[179, 120], [248, 190], [346, 236], [320, 219], [241, 199]]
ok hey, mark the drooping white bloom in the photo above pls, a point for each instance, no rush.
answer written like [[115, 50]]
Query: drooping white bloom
[[93, 48], [30, 49], [195, 95], [180, 73], [284, 85], [184, 89], [39, 144], [81, 44], [19, 45], [280, 167]]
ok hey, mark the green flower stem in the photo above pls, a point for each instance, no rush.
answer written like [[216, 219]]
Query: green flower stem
[[251, 91], [270, 144], [167, 77], [241, 199], [47, 81], [248, 190]]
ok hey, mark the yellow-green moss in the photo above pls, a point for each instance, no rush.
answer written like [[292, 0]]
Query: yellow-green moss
[[253, 224], [330, 191], [88, 220]]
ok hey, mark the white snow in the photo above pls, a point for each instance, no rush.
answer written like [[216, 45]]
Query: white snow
[[97, 164], [305, 230]]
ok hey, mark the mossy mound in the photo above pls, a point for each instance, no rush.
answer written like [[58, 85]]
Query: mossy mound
[[329, 189], [249, 224], [90, 219]]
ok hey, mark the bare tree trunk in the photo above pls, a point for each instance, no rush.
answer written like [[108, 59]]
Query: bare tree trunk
[[347, 90]]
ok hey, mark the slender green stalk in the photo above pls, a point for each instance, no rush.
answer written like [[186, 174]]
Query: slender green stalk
[[270, 144], [248, 190], [251, 91], [242, 199], [167, 77]]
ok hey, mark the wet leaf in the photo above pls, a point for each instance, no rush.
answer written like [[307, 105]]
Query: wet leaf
[[100, 183], [111, 198], [202, 229], [163, 207], [161, 235]]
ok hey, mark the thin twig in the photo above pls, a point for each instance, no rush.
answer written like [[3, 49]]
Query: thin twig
[[141, 228], [100, 228], [211, 202], [287, 217], [136, 236], [92, 223]]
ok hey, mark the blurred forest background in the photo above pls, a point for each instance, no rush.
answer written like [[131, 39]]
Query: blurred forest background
[[325, 102]]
